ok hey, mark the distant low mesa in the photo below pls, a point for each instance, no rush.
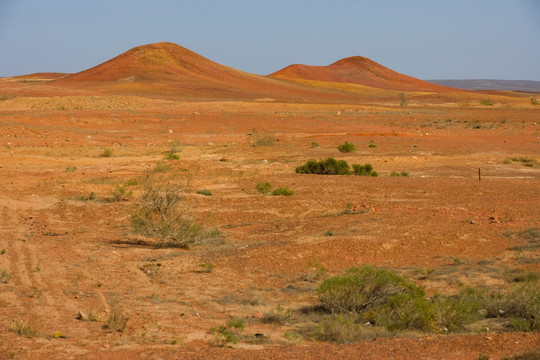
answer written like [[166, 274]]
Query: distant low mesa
[[489, 84]]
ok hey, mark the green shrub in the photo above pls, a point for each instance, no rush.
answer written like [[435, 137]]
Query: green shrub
[[329, 166], [339, 328], [521, 303], [107, 152], [131, 182], [364, 170], [3, 97], [372, 145], [347, 147], [283, 191], [279, 315], [5, 276], [23, 329], [263, 139], [455, 312], [264, 188], [315, 272], [170, 156], [526, 161], [158, 215], [405, 311], [162, 167], [403, 99], [120, 193], [534, 101], [204, 192], [486, 102], [360, 288], [116, 321], [206, 267], [531, 355], [403, 173], [70, 169], [228, 333]]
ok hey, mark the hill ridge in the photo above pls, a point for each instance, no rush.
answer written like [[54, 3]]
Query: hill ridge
[[359, 70]]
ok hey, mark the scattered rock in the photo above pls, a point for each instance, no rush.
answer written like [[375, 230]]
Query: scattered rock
[[82, 316]]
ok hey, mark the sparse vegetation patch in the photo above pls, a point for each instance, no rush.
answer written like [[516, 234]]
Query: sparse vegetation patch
[[282, 191], [347, 147], [5, 276], [158, 215], [264, 188]]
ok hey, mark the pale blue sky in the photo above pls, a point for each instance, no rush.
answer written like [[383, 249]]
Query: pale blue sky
[[427, 39]]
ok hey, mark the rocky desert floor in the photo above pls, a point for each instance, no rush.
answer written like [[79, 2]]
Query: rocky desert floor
[[74, 169]]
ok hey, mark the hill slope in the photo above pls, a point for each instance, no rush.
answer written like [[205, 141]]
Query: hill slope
[[359, 70], [170, 69]]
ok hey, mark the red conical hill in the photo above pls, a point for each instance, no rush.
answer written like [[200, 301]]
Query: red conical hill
[[362, 71]]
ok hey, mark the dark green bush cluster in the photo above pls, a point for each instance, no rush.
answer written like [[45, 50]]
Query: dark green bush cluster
[[364, 170], [384, 299], [331, 166], [328, 166], [347, 147]]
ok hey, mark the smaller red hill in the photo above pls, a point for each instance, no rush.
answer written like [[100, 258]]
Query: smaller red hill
[[362, 71]]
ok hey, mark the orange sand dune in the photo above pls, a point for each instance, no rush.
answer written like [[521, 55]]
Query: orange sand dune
[[359, 70]]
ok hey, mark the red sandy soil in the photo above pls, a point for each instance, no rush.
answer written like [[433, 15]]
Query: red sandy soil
[[440, 227]]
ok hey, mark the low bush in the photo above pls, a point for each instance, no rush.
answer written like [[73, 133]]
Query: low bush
[[486, 102], [364, 170], [107, 152], [279, 315], [204, 192], [264, 188], [206, 268], [170, 156], [263, 139], [397, 174], [116, 321], [339, 328], [158, 215], [283, 191], [162, 167], [120, 193], [23, 329], [521, 305], [360, 288], [347, 147], [329, 166], [5, 276], [228, 333], [381, 298]]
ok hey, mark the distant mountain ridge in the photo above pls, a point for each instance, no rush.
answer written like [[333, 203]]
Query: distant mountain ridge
[[491, 84]]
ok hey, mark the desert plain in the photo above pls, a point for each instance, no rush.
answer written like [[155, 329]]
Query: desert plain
[[79, 150]]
